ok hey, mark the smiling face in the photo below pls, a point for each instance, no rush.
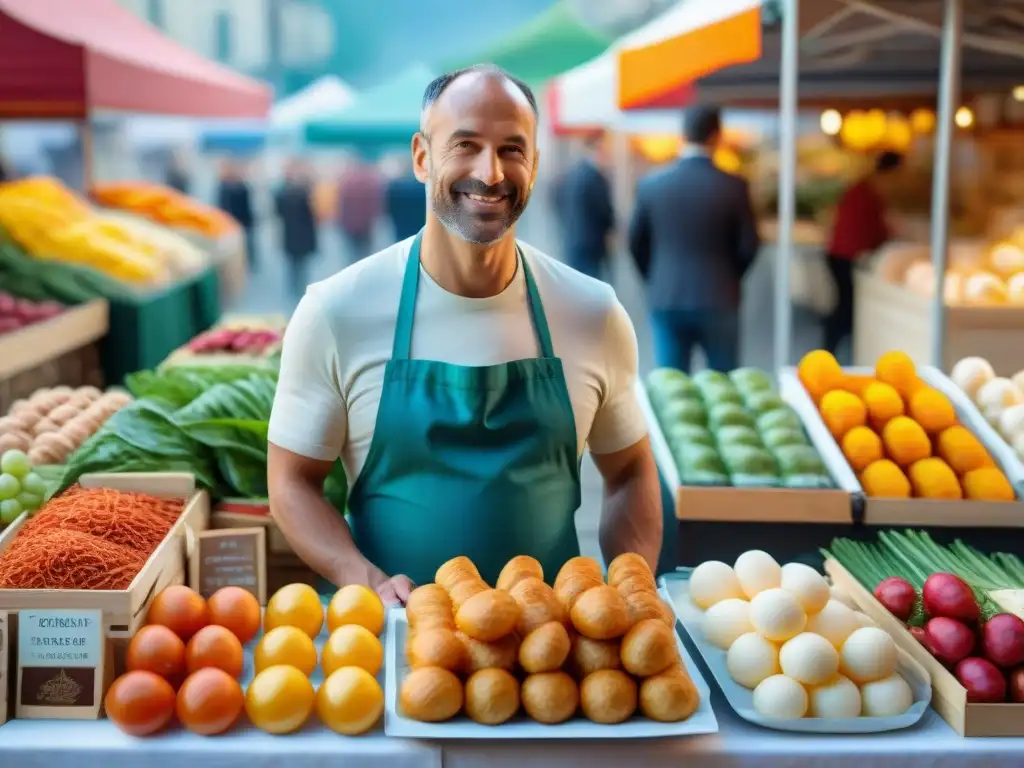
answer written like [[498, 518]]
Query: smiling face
[[477, 154]]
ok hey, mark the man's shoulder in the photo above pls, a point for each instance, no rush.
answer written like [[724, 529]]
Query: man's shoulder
[[364, 283], [570, 291]]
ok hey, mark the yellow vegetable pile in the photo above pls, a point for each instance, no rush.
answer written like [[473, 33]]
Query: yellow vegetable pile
[[51, 223], [166, 206], [901, 436]]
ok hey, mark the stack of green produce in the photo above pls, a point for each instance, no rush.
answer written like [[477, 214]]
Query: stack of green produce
[[733, 430], [209, 421], [38, 280]]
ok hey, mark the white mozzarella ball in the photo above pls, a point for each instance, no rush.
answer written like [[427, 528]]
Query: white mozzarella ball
[[809, 586], [757, 571], [781, 698], [712, 582], [751, 659], [868, 654], [727, 620], [888, 697], [809, 659], [777, 615], [835, 622], [837, 698]]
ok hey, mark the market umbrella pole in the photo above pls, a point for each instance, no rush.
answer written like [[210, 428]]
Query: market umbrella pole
[[949, 97], [788, 84]]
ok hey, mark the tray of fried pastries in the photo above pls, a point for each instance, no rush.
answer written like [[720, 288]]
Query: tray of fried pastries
[[580, 658]]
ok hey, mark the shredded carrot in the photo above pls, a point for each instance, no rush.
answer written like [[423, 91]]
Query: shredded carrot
[[87, 538]]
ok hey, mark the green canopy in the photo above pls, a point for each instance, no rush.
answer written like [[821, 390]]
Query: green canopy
[[552, 43], [386, 114]]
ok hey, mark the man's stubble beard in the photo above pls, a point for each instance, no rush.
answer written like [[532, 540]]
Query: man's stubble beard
[[447, 210]]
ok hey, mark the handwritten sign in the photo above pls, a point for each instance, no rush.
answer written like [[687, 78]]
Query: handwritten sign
[[61, 655], [234, 557]]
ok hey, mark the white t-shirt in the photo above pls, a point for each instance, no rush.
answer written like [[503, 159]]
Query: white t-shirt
[[341, 335]]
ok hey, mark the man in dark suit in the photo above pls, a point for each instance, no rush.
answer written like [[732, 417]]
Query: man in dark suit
[[693, 236], [583, 204]]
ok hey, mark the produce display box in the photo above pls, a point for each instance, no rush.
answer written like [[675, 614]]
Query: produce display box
[[250, 513], [914, 513], [38, 343], [949, 698], [183, 355], [889, 316], [124, 611], [729, 504], [77, 368]]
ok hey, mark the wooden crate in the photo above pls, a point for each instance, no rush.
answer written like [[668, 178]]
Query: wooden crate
[[35, 344], [949, 698], [124, 611], [889, 316], [250, 513]]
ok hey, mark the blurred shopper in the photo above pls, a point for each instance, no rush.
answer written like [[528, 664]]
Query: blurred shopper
[[177, 174], [405, 201], [583, 204], [235, 198], [298, 226], [360, 201], [694, 236], [860, 228], [5, 173]]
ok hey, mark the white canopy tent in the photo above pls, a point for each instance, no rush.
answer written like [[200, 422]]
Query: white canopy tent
[[324, 96]]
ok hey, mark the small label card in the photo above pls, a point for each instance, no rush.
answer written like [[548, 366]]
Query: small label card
[[61, 654]]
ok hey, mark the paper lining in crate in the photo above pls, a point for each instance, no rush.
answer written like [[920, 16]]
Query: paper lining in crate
[[913, 512], [949, 698], [124, 611], [745, 504]]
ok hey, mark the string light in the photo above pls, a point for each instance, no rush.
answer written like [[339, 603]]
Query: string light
[[964, 117], [831, 122]]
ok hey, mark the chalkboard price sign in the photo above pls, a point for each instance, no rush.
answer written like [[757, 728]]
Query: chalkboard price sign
[[234, 557]]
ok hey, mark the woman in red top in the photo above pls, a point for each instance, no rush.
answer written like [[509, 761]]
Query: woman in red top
[[859, 228]]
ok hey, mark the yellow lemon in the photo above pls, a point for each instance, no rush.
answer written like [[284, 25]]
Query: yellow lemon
[[349, 701], [295, 605], [352, 646], [285, 645], [279, 699], [356, 604]]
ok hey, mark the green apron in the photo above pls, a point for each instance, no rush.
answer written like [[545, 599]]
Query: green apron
[[477, 461]]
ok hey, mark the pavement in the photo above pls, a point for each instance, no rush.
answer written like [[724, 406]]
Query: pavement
[[267, 292]]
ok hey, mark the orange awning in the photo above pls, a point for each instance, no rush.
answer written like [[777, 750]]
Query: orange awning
[[65, 58]]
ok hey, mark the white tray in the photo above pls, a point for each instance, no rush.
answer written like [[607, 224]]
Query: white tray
[[521, 727], [742, 699]]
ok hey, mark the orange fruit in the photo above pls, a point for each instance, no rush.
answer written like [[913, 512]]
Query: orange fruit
[[352, 646], [295, 605], [905, 441], [279, 699], [820, 373], [180, 609], [962, 450], [932, 410], [209, 701], [216, 647], [861, 446], [884, 479], [349, 701], [988, 484], [238, 610], [897, 370], [884, 403], [842, 411], [140, 703], [356, 604], [285, 646], [157, 649]]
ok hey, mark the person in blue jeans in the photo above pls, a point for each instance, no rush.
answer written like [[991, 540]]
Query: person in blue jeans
[[693, 236]]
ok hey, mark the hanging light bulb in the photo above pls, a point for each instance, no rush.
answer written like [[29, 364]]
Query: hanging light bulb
[[964, 117], [922, 120], [831, 122], [1018, 93]]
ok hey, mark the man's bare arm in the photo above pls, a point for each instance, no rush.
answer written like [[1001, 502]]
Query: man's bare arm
[[316, 531], [631, 512]]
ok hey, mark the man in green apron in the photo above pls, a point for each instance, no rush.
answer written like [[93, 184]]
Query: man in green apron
[[459, 375]]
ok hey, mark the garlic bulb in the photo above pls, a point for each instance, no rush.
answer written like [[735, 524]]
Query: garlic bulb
[[971, 373]]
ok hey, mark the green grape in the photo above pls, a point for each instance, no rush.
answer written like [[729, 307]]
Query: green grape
[[9, 511], [15, 463], [33, 483], [9, 487], [29, 501]]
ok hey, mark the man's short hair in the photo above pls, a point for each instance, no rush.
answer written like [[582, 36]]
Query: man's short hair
[[702, 123], [888, 161], [438, 85]]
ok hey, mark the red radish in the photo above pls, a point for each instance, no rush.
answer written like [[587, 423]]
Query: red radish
[[242, 341], [1002, 640], [7, 304], [984, 682], [1016, 679], [949, 640], [922, 637], [9, 324], [947, 595], [898, 596]]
